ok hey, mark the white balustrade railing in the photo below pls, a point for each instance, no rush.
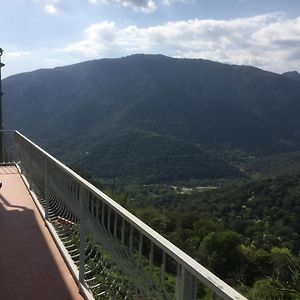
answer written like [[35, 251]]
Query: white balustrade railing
[[117, 256]]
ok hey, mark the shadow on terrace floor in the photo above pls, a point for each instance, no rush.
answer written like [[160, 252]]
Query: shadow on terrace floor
[[28, 269]]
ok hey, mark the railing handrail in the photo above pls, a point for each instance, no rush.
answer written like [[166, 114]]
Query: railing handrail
[[200, 272]]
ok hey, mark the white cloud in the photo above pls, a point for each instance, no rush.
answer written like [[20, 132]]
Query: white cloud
[[268, 41], [51, 9], [99, 37], [50, 6], [146, 6], [169, 2], [16, 54]]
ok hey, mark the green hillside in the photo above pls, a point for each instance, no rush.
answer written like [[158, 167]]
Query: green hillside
[[245, 232], [156, 118]]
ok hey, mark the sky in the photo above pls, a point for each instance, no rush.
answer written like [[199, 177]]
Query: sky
[[49, 33]]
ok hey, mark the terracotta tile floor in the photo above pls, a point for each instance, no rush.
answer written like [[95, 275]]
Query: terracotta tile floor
[[31, 267]]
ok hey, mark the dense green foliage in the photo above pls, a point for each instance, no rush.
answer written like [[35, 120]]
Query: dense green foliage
[[155, 118], [275, 165], [266, 212], [247, 233]]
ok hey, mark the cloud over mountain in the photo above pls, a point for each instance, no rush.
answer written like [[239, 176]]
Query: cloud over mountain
[[269, 41]]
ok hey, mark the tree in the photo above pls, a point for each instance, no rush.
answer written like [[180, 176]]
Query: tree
[[220, 252]]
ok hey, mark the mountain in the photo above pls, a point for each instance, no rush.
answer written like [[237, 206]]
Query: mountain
[[293, 75], [156, 118], [275, 165]]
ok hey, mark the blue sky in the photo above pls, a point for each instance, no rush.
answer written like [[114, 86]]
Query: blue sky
[[48, 33]]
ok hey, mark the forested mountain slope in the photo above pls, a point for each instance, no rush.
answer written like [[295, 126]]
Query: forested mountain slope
[[156, 118]]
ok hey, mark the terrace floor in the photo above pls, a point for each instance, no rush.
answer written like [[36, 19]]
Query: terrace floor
[[31, 266]]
